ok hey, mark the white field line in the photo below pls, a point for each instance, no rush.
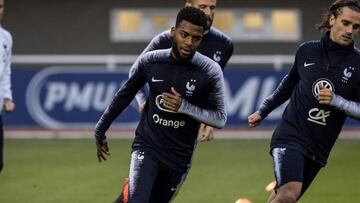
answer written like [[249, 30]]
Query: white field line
[[128, 134]]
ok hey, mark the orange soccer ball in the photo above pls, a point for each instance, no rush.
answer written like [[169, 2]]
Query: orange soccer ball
[[243, 200]]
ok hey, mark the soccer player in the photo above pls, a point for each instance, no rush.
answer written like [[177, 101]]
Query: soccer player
[[323, 87], [6, 103], [186, 88], [215, 45]]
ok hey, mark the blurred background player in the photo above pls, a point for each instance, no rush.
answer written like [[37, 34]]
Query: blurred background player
[[186, 88], [6, 103], [215, 45], [323, 87]]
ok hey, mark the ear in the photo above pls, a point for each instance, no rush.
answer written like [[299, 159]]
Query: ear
[[332, 20], [188, 4], [173, 29]]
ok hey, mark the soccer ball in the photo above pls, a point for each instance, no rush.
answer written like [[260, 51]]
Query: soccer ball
[[243, 200], [270, 187]]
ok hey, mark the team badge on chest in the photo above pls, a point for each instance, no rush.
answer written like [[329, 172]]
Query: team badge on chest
[[347, 74], [190, 87]]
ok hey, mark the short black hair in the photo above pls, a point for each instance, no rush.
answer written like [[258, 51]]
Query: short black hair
[[193, 15]]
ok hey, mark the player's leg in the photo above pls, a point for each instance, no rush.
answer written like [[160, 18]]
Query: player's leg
[[1, 145], [143, 172], [123, 197], [272, 196], [167, 185], [312, 168], [288, 169]]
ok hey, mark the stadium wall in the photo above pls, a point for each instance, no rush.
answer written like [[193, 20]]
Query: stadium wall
[[82, 26]]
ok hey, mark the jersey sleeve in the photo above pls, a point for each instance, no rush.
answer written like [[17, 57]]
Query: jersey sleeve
[[215, 115], [122, 99], [282, 92], [5, 82], [161, 41], [351, 108], [228, 54]]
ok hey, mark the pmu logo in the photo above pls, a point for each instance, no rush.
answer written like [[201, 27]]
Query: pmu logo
[[70, 97], [322, 83], [318, 116], [159, 101], [163, 121]]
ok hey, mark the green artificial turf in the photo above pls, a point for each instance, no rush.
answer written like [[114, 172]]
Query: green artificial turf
[[67, 171]]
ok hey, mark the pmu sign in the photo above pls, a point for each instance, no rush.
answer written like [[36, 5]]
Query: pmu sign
[[74, 97]]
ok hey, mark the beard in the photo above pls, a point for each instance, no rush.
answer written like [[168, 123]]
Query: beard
[[177, 55]]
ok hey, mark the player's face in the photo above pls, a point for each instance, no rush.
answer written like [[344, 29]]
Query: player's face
[[187, 39], [345, 26], [207, 6], [1, 9]]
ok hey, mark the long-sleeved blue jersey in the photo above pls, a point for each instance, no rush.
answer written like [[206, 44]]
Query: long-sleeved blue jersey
[[171, 136], [215, 45], [306, 125]]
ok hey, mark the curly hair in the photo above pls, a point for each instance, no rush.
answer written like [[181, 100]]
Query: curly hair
[[193, 15], [336, 9]]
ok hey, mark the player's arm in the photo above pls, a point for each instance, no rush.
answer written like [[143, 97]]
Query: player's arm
[[282, 92], [214, 116], [120, 101], [161, 41], [228, 53], [206, 133], [278, 97], [351, 108], [5, 84]]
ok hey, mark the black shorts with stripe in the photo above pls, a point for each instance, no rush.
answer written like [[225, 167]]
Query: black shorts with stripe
[[150, 181], [292, 165]]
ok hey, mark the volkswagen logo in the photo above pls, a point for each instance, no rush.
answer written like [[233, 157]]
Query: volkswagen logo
[[322, 82]]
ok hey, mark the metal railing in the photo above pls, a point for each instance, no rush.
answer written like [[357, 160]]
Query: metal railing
[[111, 61]]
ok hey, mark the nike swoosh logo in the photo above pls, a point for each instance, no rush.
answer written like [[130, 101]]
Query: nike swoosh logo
[[308, 64], [156, 80]]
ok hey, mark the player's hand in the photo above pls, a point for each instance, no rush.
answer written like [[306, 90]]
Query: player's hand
[[206, 133], [254, 120], [325, 95], [142, 106], [102, 150], [172, 101], [9, 105]]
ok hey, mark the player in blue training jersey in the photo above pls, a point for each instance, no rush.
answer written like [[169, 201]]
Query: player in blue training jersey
[[324, 88], [6, 102], [215, 45], [186, 89]]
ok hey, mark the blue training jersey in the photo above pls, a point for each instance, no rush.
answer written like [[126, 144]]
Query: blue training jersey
[[215, 45], [306, 125], [171, 136]]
